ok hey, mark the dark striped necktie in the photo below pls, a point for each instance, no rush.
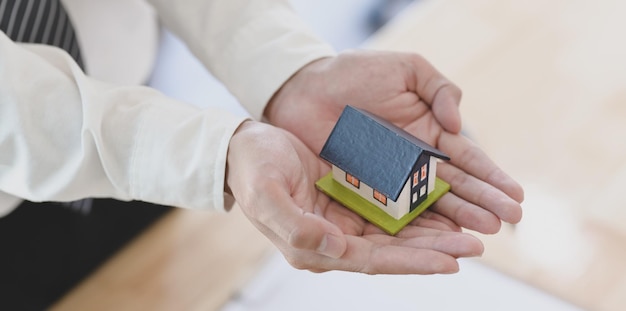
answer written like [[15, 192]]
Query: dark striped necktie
[[39, 21]]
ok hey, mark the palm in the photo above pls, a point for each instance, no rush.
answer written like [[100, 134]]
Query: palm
[[432, 240], [285, 206], [316, 202], [414, 120]]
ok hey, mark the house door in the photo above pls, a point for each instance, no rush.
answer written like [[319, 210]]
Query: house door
[[419, 184]]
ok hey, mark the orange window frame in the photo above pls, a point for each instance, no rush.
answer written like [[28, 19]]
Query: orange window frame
[[380, 197], [353, 180], [424, 171]]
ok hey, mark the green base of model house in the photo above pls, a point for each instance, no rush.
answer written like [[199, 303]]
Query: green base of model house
[[370, 211]]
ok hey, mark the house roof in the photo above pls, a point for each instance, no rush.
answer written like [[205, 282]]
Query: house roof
[[375, 151]]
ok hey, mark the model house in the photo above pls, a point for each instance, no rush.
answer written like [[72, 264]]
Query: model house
[[380, 162]]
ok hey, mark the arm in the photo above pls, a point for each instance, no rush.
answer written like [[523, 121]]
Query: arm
[[253, 47], [65, 136]]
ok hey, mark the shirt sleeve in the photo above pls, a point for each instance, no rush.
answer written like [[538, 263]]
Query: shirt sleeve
[[252, 46], [65, 136]]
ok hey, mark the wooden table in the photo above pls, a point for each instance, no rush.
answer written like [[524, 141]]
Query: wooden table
[[189, 260], [545, 95]]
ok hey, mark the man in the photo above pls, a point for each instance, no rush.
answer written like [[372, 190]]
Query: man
[[66, 135]]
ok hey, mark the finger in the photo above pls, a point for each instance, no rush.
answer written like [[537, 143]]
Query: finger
[[391, 259], [480, 193], [370, 229], [445, 106], [452, 226], [443, 96], [432, 224], [457, 244], [365, 256], [427, 219], [452, 243], [466, 214], [299, 229], [467, 156]]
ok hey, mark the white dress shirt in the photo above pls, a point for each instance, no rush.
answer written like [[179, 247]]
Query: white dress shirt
[[65, 135]]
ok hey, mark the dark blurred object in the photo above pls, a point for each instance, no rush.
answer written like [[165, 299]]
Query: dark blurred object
[[385, 11], [47, 248]]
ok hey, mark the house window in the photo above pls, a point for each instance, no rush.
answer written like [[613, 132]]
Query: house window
[[380, 197], [423, 191], [353, 180], [415, 181], [414, 197], [424, 171]]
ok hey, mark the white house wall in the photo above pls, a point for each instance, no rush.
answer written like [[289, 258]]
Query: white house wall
[[395, 209], [404, 200], [432, 174]]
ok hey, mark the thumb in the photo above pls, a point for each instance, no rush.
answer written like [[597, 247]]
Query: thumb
[[280, 214], [445, 107], [440, 93], [315, 233]]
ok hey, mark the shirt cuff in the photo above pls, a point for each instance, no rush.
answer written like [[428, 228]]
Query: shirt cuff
[[180, 158]]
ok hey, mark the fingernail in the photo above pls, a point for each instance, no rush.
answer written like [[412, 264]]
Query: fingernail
[[331, 246]]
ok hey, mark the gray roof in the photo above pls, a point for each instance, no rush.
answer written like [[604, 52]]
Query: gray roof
[[375, 151]]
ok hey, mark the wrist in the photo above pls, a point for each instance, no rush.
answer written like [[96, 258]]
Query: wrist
[[232, 151], [304, 84], [241, 144]]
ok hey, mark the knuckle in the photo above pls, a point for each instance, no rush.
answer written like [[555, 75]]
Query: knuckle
[[453, 89], [416, 58], [297, 238], [469, 156], [302, 237], [485, 197], [459, 179], [298, 262]]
